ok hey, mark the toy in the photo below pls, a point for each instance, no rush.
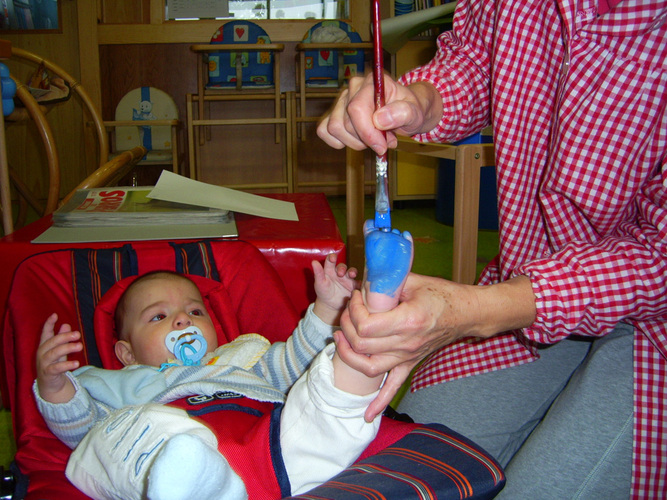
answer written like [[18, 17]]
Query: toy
[[8, 90]]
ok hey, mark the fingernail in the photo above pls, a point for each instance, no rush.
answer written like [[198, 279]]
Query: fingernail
[[378, 150]]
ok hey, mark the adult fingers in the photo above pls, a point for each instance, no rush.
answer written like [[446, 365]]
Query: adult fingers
[[395, 379], [350, 121]]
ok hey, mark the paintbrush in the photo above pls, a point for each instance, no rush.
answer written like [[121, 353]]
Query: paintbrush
[[382, 217]]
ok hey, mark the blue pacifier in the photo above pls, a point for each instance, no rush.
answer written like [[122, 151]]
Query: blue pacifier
[[187, 345]]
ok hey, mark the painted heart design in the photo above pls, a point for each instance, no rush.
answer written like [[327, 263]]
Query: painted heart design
[[325, 54], [240, 32]]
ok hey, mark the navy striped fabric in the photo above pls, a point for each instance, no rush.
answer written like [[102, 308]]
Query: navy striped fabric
[[431, 462], [95, 272], [196, 258]]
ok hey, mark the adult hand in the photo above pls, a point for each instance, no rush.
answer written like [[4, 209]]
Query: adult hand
[[432, 313], [353, 121]]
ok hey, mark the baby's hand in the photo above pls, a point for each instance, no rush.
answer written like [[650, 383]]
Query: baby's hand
[[52, 363], [333, 285]]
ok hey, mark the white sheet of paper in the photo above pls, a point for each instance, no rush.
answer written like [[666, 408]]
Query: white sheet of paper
[[176, 188]]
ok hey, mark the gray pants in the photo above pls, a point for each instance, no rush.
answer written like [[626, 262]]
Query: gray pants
[[561, 426]]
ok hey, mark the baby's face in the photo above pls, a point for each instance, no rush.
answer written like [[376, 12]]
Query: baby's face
[[159, 306]]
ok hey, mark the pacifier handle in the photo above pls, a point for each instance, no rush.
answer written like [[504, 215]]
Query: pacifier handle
[[188, 345], [185, 351]]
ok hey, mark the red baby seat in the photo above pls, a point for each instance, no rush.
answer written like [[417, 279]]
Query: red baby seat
[[244, 294]]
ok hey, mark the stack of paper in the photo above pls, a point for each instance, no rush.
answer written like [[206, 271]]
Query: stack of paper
[[176, 208], [119, 206]]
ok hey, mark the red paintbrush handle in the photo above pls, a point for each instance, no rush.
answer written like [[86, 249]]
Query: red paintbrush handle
[[378, 80]]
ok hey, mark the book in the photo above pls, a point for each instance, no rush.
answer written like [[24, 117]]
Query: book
[[135, 232], [120, 206]]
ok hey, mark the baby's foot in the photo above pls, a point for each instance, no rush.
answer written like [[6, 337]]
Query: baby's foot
[[186, 467], [388, 261]]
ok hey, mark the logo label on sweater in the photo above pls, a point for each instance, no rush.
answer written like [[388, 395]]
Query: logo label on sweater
[[203, 399]]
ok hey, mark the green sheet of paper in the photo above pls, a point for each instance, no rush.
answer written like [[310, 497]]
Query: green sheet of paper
[[174, 187]]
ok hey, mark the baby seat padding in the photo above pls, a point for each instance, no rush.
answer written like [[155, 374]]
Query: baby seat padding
[[244, 295]]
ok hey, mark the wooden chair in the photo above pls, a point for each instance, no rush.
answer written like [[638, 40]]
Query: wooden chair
[[240, 64], [147, 116], [104, 172], [322, 70]]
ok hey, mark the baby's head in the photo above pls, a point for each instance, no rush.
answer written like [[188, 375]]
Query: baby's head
[[153, 306]]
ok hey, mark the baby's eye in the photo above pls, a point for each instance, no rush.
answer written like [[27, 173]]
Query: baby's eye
[[196, 312], [158, 317]]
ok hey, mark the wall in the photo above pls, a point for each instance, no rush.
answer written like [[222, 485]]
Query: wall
[[113, 46], [137, 48]]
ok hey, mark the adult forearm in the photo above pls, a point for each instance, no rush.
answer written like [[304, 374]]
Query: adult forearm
[[505, 306], [588, 288]]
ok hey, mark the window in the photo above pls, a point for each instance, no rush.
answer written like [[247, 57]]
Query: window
[[257, 9]]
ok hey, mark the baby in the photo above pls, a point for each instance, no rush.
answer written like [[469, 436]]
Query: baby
[[129, 444]]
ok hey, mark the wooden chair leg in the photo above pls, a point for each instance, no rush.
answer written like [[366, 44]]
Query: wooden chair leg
[[466, 213], [191, 137], [289, 149], [355, 207], [302, 92], [175, 167], [277, 96], [201, 67]]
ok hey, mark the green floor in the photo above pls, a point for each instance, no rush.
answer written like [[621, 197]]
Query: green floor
[[433, 241], [433, 256]]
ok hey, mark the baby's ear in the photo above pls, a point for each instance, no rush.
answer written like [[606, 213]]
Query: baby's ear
[[124, 353]]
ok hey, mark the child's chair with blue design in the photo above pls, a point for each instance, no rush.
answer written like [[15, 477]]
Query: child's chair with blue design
[[239, 64], [148, 117], [247, 69], [330, 53]]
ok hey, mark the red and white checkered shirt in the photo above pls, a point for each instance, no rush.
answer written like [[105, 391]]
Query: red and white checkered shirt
[[577, 97]]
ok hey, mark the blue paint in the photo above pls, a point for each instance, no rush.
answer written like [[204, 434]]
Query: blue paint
[[383, 220], [148, 138], [388, 259]]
